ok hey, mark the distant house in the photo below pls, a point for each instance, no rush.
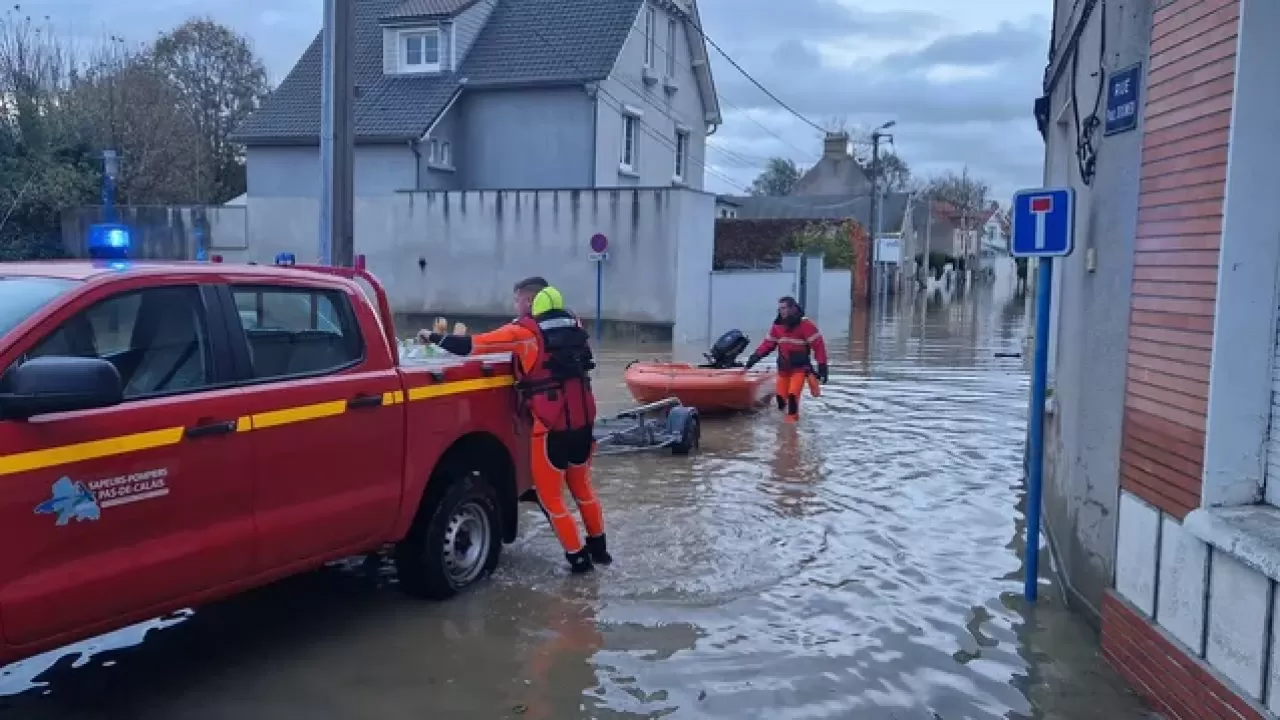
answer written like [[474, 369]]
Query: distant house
[[837, 172], [726, 207], [494, 94]]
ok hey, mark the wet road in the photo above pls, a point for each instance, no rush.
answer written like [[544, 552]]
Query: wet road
[[864, 564]]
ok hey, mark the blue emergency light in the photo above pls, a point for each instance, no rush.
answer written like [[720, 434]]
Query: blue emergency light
[[109, 241], [286, 259]]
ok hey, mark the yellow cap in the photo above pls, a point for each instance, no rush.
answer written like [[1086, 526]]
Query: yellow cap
[[546, 300]]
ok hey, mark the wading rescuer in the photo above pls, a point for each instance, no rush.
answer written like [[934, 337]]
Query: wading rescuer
[[553, 362], [799, 343]]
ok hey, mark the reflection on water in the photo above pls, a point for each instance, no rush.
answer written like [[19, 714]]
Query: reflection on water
[[861, 564]]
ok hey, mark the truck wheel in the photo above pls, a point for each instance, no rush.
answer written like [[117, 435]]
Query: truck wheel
[[455, 542]]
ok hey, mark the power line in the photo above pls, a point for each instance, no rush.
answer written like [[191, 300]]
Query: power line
[[748, 75], [745, 112]]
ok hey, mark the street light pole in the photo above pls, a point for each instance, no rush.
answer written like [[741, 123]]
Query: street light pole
[[876, 136], [337, 136]]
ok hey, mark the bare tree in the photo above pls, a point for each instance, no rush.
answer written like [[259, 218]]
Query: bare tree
[[127, 103], [220, 82]]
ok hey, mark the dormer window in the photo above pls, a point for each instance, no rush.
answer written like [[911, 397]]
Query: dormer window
[[420, 50]]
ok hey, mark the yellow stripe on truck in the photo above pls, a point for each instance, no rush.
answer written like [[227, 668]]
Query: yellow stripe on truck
[[426, 392], [153, 439], [92, 450]]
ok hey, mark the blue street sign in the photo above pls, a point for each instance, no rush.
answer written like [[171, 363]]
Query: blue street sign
[[1043, 222], [1123, 88]]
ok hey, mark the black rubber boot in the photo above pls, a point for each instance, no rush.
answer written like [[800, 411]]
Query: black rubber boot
[[580, 562], [599, 550], [793, 405], [782, 402]]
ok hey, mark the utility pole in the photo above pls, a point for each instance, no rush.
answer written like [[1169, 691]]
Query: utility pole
[[876, 135], [337, 136]]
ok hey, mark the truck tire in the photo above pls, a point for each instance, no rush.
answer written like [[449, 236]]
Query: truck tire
[[455, 541]]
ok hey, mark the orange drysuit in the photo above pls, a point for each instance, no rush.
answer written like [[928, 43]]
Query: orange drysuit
[[559, 457], [799, 343]]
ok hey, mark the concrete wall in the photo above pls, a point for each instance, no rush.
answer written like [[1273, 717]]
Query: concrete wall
[[748, 299], [475, 244], [664, 104], [834, 306], [1092, 321], [163, 233], [531, 139], [295, 171]]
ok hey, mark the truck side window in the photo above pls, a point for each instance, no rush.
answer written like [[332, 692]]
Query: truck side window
[[298, 331], [156, 338]]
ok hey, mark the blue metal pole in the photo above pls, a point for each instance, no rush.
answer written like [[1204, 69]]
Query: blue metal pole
[[1035, 471], [599, 300]]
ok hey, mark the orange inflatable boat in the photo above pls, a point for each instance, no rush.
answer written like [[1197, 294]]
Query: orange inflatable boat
[[710, 390], [719, 386]]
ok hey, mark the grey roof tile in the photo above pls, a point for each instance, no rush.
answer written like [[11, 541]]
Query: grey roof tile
[[413, 9], [524, 42], [823, 207], [547, 41]]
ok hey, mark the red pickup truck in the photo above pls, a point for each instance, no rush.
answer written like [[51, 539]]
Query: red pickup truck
[[173, 433]]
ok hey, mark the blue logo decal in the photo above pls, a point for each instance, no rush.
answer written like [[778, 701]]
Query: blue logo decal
[[71, 500]]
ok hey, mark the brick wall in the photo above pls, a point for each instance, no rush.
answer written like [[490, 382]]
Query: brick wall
[[1187, 122], [1163, 672]]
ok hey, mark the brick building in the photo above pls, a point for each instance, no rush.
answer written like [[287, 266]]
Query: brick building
[[1189, 230]]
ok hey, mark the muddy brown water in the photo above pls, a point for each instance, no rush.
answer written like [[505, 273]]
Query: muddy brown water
[[863, 564]]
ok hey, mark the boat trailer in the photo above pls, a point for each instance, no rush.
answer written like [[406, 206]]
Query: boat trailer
[[662, 424]]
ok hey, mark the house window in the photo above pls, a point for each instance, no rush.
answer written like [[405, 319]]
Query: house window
[[671, 47], [445, 153], [682, 154], [630, 135], [420, 51], [433, 155], [650, 42]]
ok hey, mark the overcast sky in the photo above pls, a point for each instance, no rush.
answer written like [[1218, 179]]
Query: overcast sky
[[958, 77]]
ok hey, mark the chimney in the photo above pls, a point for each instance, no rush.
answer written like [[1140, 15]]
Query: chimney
[[836, 145]]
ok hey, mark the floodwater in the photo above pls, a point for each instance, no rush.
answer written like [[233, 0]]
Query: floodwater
[[863, 564]]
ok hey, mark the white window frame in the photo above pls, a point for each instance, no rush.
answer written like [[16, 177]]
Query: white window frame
[[671, 47], [681, 155], [420, 34], [433, 154], [630, 162], [446, 154], [650, 34]]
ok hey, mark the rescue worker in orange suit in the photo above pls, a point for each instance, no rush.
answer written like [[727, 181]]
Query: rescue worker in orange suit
[[799, 343], [553, 361]]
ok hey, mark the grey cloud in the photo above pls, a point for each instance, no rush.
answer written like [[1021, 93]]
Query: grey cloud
[[980, 49], [749, 20], [897, 86]]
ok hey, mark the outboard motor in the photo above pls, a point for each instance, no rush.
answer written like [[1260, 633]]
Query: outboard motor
[[724, 353]]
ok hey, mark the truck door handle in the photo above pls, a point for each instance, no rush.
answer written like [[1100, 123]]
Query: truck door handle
[[210, 429], [364, 401]]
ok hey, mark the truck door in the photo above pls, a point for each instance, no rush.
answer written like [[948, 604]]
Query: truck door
[[111, 513], [328, 423]]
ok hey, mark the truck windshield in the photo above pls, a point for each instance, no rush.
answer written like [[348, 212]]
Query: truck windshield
[[22, 296]]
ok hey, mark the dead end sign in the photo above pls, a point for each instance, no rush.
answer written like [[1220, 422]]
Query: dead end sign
[[1123, 95]]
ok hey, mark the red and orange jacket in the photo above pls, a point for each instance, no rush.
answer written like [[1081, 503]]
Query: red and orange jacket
[[796, 345]]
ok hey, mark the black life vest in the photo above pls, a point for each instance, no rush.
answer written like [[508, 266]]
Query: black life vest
[[557, 389]]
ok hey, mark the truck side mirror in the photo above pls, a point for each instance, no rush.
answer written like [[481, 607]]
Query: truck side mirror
[[45, 385]]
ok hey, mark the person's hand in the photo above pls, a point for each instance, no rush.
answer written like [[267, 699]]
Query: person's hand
[[822, 373], [751, 362]]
